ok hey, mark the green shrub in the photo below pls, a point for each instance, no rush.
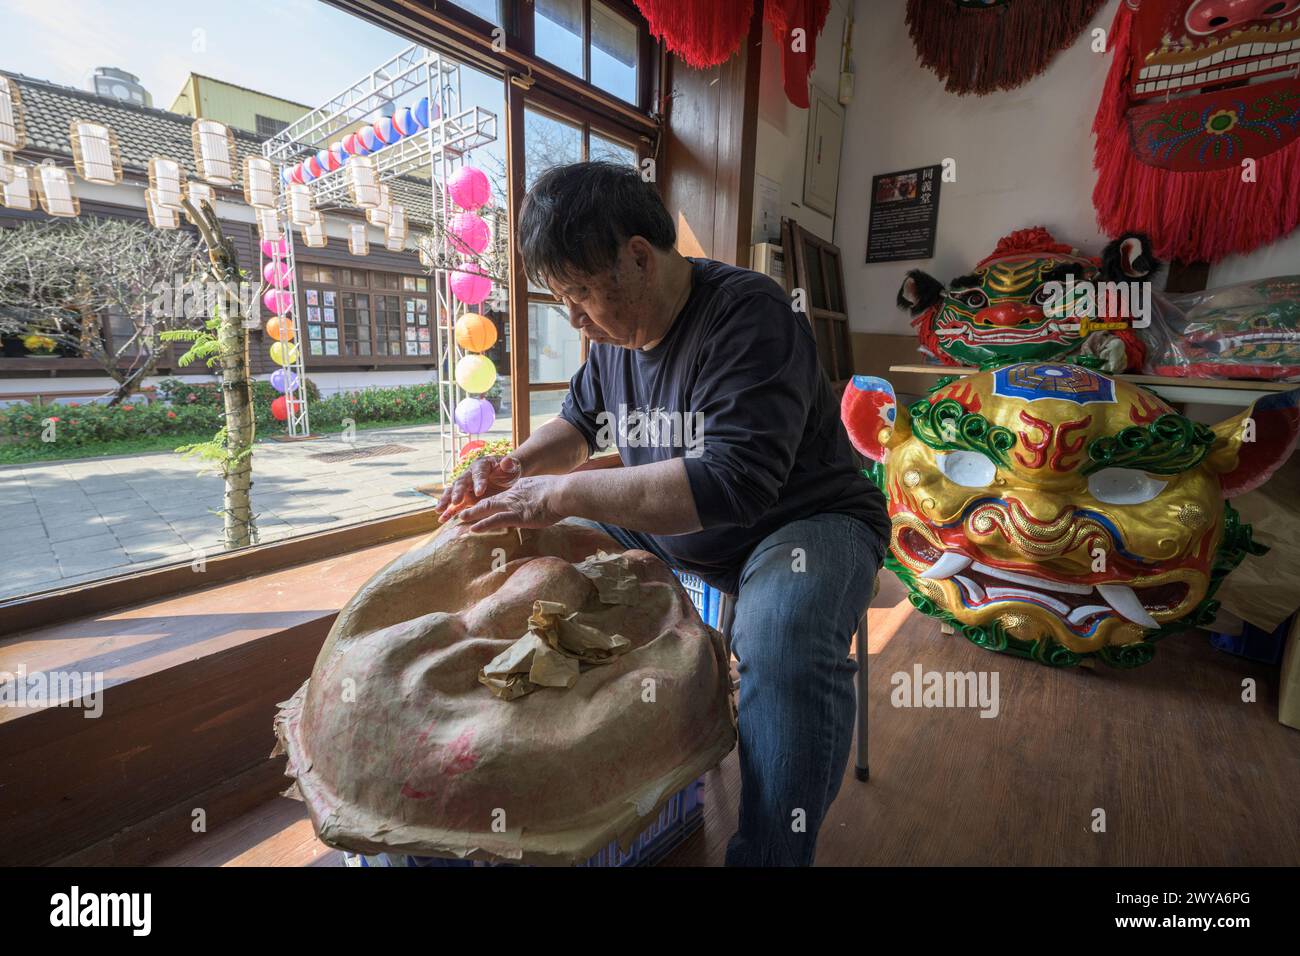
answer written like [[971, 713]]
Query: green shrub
[[79, 424]]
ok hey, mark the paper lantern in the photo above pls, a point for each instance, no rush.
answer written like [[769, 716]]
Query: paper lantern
[[405, 122], [295, 173], [283, 380], [313, 234], [422, 116], [378, 216], [312, 169], [469, 284], [282, 355], [54, 188], [301, 211], [325, 161], [95, 152], [386, 132], [6, 167], [277, 274], [475, 333], [197, 194], [269, 229], [471, 447], [475, 373], [395, 234], [275, 249], [280, 328], [474, 416], [280, 407], [469, 187], [368, 140], [286, 175], [214, 151], [338, 155], [160, 216], [13, 131], [259, 182], [351, 146], [166, 182], [19, 193], [469, 233], [363, 178], [358, 239], [277, 301]]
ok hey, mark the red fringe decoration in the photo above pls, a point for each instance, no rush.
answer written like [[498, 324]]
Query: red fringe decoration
[[787, 15], [1191, 217], [999, 48], [702, 33]]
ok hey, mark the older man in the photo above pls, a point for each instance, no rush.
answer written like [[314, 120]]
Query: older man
[[736, 468]]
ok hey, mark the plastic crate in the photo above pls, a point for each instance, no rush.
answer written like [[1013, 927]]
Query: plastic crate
[[681, 816], [1254, 644], [706, 599]]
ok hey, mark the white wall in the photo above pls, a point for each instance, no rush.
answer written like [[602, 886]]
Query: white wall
[[1024, 158]]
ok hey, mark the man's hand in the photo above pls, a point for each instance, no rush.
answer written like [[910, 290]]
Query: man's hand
[[487, 476], [526, 503]]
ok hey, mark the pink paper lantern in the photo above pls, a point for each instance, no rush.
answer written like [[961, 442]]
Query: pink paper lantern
[[277, 301], [275, 248], [277, 274], [469, 187], [469, 233], [469, 284]]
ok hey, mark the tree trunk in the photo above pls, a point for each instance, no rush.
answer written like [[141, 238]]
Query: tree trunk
[[240, 426]]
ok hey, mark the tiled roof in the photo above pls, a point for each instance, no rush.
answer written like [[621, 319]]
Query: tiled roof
[[144, 132]]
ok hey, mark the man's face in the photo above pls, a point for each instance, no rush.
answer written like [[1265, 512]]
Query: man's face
[[611, 307]]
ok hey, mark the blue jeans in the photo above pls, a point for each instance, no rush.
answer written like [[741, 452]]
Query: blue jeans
[[803, 590]]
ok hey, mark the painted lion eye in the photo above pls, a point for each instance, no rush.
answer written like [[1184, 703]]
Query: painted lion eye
[[1124, 486], [974, 299], [970, 469]]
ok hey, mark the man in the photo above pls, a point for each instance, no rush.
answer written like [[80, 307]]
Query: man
[[736, 468]]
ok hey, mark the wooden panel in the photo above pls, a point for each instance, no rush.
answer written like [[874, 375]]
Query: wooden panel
[[875, 352]]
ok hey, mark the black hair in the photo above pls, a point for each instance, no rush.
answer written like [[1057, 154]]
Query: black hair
[[576, 218]]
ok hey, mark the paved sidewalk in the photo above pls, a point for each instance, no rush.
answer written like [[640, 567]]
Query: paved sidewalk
[[75, 521]]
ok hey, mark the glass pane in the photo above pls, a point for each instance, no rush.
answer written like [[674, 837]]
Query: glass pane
[[554, 346], [613, 52], [548, 142], [557, 27], [543, 406], [610, 151], [489, 10]]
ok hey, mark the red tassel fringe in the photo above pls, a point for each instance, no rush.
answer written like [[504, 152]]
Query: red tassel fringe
[[983, 51], [702, 33], [1191, 217]]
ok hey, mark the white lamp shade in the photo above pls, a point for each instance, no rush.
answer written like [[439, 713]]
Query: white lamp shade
[[358, 239], [301, 212], [95, 152], [313, 234], [395, 235], [54, 187], [6, 167], [378, 216], [13, 134], [363, 177], [160, 216], [214, 151], [166, 182], [259, 182], [198, 194], [19, 193], [268, 225]]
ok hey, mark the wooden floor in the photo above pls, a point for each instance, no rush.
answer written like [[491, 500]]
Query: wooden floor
[[1184, 771]]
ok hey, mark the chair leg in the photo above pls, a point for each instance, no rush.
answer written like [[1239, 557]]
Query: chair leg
[[861, 771]]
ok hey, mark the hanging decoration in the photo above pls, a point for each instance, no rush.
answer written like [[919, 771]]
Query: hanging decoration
[[798, 50], [475, 333], [1198, 127], [55, 191], [469, 233], [469, 188], [469, 284], [1016, 306], [197, 194], [95, 152], [165, 179], [259, 182], [160, 216], [268, 224], [214, 151], [385, 132], [19, 192], [986, 46], [475, 373], [1005, 486], [395, 234], [701, 33], [301, 211], [6, 167], [313, 234], [363, 177], [13, 130], [474, 416], [358, 239]]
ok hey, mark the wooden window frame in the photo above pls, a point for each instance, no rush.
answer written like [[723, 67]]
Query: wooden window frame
[[795, 240], [371, 290]]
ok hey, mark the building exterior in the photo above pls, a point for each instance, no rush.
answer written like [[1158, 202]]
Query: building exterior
[[259, 113], [368, 319]]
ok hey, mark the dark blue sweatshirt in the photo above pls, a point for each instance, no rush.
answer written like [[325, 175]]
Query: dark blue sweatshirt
[[736, 389]]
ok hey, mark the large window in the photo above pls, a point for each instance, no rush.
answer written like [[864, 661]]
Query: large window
[[355, 313], [591, 40]]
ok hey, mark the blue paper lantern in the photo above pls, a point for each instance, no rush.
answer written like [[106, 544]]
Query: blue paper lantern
[[422, 113], [369, 141], [283, 380], [338, 154]]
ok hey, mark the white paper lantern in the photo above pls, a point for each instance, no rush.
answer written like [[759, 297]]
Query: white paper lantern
[[301, 212], [363, 177], [214, 151], [13, 133], [259, 182], [268, 225], [54, 187], [395, 235], [166, 182], [378, 216], [95, 152], [358, 239], [19, 193], [160, 216], [313, 234], [198, 194], [6, 167]]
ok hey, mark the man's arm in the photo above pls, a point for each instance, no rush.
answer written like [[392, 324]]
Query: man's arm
[[554, 449], [654, 498]]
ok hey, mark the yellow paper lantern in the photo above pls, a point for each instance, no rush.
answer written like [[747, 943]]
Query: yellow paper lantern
[[475, 373], [280, 328], [475, 333], [287, 356]]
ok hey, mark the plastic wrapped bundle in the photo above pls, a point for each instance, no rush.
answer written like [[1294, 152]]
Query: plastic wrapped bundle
[[522, 696], [1250, 331]]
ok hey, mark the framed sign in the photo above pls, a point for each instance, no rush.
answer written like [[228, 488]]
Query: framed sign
[[904, 215]]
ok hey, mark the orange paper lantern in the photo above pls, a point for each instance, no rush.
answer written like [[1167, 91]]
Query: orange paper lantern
[[280, 328], [475, 333]]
